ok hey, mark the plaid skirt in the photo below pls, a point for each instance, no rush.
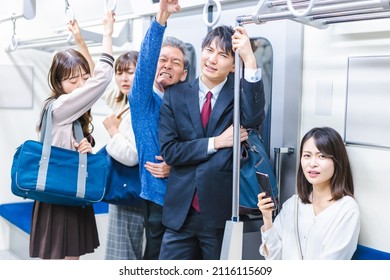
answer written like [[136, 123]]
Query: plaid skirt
[[125, 233]]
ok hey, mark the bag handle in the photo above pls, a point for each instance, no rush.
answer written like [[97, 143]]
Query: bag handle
[[46, 139], [123, 111]]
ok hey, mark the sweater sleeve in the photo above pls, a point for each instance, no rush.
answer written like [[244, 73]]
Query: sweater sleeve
[[69, 107], [141, 94]]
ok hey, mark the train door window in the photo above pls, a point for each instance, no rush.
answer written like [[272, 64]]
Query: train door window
[[192, 66], [264, 57]]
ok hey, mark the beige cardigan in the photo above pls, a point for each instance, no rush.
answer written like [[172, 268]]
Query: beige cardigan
[[122, 145]]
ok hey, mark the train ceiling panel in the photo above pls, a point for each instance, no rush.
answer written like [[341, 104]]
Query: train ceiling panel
[[50, 16]]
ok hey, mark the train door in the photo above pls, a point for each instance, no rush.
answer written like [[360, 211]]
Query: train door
[[279, 52], [280, 57]]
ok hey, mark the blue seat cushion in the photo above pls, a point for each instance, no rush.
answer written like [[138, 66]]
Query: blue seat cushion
[[367, 253], [20, 213]]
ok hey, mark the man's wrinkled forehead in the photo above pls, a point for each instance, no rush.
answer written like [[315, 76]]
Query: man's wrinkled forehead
[[172, 53]]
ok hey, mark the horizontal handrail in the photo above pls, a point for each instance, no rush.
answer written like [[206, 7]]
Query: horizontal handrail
[[321, 14]]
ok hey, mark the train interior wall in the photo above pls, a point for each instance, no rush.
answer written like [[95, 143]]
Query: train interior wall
[[325, 62]]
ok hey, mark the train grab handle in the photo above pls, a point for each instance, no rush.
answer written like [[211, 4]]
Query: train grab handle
[[205, 12]]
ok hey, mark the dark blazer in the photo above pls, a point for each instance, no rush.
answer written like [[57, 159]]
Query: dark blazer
[[184, 144]]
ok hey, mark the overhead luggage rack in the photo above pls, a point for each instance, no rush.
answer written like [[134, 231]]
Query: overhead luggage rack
[[317, 13]]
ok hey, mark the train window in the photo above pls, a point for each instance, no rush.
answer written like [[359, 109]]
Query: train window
[[192, 67], [264, 57]]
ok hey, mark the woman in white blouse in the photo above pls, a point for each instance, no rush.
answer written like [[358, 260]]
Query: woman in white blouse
[[126, 222], [322, 221]]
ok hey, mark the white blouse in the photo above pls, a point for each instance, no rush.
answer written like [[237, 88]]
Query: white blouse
[[330, 235]]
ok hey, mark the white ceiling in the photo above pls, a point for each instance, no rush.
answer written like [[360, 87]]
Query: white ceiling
[[50, 19], [50, 14]]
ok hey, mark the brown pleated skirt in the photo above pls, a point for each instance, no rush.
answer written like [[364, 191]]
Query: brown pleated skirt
[[59, 231]]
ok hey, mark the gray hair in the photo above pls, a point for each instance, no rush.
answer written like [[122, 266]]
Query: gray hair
[[176, 43]]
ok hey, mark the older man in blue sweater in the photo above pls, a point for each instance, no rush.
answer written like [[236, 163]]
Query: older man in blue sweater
[[160, 64]]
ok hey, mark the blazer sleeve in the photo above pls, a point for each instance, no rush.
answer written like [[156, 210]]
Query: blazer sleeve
[[252, 104], [174, 148]]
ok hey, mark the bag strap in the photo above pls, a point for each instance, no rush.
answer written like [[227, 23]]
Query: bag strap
[[46, 139], [296, 227], [123, 111], [82, 174]]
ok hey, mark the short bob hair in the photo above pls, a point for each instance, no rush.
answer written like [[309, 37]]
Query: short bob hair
[[329, 142]]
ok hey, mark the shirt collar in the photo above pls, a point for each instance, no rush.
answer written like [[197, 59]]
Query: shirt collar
[[158, 92], [203, 90]]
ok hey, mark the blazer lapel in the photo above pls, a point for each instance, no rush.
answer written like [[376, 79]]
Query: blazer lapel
[[224, 99], [192, 97]]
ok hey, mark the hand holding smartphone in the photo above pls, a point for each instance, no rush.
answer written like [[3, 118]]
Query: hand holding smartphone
[[266, 187]]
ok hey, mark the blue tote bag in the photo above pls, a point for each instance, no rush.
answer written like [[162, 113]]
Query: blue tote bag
[[254, 159], [123, 184], [55, 175]]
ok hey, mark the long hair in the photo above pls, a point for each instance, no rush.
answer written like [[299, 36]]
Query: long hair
[[122, 64], [329, 142], [64, 64]]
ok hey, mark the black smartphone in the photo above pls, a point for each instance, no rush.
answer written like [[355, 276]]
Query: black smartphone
[[266, 187]]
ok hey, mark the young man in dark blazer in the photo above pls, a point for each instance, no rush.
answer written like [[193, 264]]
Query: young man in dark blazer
[[199, 190]]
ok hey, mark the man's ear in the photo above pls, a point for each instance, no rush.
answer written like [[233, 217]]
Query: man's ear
[[233, 68], [183, 76]]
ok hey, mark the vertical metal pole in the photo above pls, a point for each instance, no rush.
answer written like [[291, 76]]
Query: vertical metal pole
[[234, 229], [236, 139]]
